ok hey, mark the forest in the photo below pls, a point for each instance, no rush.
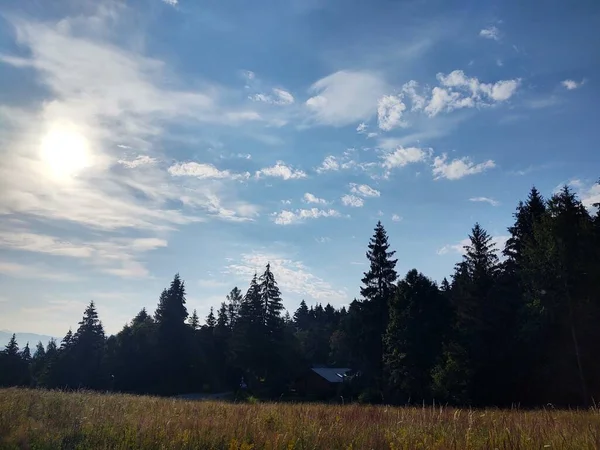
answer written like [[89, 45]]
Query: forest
[[517, 325]]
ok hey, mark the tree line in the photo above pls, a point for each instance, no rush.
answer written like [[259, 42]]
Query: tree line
[[518, 325]]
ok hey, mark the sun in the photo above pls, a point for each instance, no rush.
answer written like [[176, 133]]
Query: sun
[[65, 151]]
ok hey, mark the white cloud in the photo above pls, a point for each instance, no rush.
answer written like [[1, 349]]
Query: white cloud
[[353, 201], [283, 97], [371, 135], [459, 91], [133, 101], [329, 164], [442, 99], [310, 198], [403, 156], [279, 97], [491, 201], [590, 196], [293, 277], [389, 112], [34, 272], [281, 170], [118, 256], [410, 90], [571, 84], [236, 211], [490, 33], [364, 190], [498, 241], [345, 97], [139, 160], [361, 128], [323, 239], [286, 217], [458, 168], [202, 171], [171, 2], [396, 218]]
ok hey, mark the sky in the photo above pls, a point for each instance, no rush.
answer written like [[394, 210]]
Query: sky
[[143, 138]]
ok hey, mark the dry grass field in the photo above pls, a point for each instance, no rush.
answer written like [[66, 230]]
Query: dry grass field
[[32, 419]]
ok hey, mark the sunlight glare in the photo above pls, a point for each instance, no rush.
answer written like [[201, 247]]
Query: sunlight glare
[[65, 151]]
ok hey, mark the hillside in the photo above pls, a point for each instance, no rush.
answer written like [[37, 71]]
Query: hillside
[[44, 419], [24, 338]]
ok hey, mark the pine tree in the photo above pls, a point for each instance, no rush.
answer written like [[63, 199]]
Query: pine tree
[[141, 318], [12, 348], [222, 318], [210, 319], [88, 348], [26, 354], [194, 321], [171, 309], [11, 364], [419, 320], [377, 290], [66, 342], [38, 363], [174, 351], [234, 302], [302, 316], [471, 356], [378, 282], [272, 305]]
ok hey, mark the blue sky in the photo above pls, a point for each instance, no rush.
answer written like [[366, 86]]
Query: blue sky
[[143, 138]]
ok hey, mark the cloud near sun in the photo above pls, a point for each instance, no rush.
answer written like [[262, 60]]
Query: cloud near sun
[[136, 142]]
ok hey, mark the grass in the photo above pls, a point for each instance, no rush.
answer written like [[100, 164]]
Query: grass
[[35, 419]]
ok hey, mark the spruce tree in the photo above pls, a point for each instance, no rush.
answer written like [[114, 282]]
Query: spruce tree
[[419, 321], [12, 348], [210, 319], [194, 321], [302, 316], [272, 305], [377, 290], [88, 348], [234, 302]]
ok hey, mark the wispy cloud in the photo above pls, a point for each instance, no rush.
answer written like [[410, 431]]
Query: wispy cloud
[[459, 248], [293, 276], [277, 97], [345, 97], [364, 190], [286, 217], [34, 272], [491, 201], [396, 218], [139, 160], [572, 84], [117, 256], [491, 32], [203, 171], [458, 168]]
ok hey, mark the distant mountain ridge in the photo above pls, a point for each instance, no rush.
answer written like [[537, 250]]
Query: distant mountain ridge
[[23, 338]]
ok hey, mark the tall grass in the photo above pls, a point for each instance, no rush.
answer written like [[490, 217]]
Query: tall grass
[[34, 419]]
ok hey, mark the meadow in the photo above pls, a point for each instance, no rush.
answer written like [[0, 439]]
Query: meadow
[[38, 419]]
